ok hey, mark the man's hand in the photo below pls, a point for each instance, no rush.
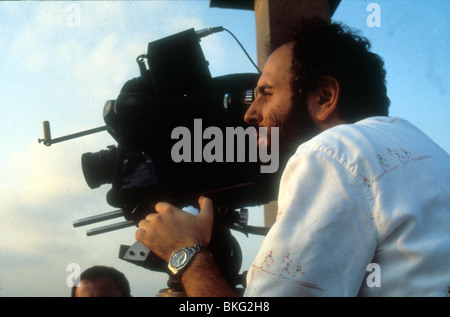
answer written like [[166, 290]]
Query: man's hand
[[171, 228]]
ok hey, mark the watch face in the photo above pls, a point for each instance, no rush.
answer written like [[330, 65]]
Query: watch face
[[178, 259]]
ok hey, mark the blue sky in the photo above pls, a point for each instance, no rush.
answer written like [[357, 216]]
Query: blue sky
[[54, 70]]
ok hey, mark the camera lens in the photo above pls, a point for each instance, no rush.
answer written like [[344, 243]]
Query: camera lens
[[98, 168]]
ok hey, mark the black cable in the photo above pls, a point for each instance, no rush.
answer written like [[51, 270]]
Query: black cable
[[243, 49], [209, 31]]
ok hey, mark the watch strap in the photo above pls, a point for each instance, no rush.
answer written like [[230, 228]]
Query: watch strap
[[191, 252], [198, 248]]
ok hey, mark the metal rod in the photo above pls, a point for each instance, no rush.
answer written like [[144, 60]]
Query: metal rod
[[98, 218], [77, 135], [49, 141], [108, 228]]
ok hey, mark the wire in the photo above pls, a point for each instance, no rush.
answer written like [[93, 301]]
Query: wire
[[243, 49], [209, 31]]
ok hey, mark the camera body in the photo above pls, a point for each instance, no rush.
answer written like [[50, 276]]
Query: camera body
[[174, 91]]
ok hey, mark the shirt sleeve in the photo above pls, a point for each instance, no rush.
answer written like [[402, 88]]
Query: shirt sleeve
[[324, 237]]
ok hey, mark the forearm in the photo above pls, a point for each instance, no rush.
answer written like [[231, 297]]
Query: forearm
[[203, 279]]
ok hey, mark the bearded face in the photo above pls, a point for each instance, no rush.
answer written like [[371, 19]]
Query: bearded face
[[275, 106]]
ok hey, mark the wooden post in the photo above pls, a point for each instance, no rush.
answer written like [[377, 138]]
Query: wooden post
[[274, 17]]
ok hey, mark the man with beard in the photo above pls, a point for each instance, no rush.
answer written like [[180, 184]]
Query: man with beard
[[363, 205]]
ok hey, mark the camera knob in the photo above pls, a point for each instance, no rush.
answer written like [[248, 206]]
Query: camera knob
[[243, 217], [249, 97], [109, 114]]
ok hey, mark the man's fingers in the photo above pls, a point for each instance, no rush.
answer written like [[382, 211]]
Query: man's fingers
[[163, 207], [151, 217], [206, 208], [140, 234], [144, 223]]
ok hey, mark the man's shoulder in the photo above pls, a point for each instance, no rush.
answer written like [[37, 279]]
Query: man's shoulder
[[367, 127], [370, 136], [362, 138], [347, 136]]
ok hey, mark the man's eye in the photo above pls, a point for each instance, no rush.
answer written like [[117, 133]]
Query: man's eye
[[268, 91], [263, 92]]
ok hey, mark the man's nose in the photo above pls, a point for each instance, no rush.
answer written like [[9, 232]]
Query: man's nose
[[253, 115]]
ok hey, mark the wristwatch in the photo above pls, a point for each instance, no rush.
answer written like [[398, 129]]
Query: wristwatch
[[181, 259]]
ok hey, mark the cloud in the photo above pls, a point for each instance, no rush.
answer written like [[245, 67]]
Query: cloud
[[38, 175], [41, 193], [64, 74]]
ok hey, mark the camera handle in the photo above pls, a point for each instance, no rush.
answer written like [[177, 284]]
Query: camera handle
[[48, 136]]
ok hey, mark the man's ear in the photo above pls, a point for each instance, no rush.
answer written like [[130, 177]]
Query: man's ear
[[324, 106]]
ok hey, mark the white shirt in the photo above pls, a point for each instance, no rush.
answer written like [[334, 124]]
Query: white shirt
[[363, 209]]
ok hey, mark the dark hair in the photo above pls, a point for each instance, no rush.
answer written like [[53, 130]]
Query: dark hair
[[321, 49], [97, 271]]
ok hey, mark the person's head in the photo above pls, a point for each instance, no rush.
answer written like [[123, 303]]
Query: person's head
[[321, 76], [102, 281]]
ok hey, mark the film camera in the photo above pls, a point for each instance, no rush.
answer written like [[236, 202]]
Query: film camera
[[174, 88]]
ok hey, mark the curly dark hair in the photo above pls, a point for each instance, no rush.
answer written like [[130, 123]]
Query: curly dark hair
[[322, 48]]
